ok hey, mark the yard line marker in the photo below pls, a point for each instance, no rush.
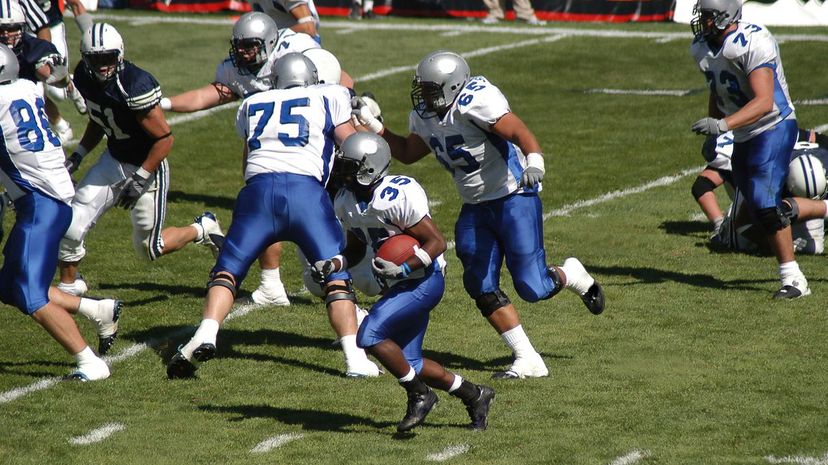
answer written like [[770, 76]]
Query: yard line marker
[[129, 352], [473, 53], [419, 26], [657, 92], [664, 181], [814, 101], [821, 128], [799, 460], [275, 441], [630, 458], [448, 453], [97, 434]]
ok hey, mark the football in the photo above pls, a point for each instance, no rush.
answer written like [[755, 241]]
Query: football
[[397, 249]]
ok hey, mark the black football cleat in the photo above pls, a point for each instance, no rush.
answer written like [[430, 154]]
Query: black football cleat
[[418, 407], [791, 292], [594, 299], [106, 342], [180, 368], [479, 408], [205, 352]]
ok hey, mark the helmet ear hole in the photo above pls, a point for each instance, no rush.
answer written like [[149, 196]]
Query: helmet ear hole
[[440, 77]]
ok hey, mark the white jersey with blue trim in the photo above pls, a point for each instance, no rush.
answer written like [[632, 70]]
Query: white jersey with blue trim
[[484, 166], [31, 158], [726, 69], [279, 10], [398, 203], [292, 130], [243, 83]]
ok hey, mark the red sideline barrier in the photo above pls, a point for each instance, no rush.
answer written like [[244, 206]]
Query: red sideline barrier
[[616, 11]]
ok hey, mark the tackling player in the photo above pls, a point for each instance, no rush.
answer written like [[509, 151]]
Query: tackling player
[[133, 171], [289, 135], [497, 166]]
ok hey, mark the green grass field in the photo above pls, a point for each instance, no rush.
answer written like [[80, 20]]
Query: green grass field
[[692, 362]]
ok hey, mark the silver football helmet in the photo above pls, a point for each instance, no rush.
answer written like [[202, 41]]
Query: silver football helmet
[[327, 66], [363, 160], [712, 17], [440, 77], [12, 25], [9, 68], [254, 38], [102, 50], [292, 70], [806, 173]]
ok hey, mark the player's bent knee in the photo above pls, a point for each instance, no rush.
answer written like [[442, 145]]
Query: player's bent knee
[[790, 209], [772, 219], [223, 279], [335, 292], [491, 301], [702, 185]]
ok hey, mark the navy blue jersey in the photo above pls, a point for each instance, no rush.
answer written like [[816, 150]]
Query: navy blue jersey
[[36, 17], [52, 10], [33, 54], [116, 104]]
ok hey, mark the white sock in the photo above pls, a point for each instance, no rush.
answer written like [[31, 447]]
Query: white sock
[[199, 232], [86, 356], [577, 279], [718, 222], [789, 270], [826, 208], [352, 352], [455, 385], [518, 341], [89, 308], [270, 276], [411, 374], [206, 333]]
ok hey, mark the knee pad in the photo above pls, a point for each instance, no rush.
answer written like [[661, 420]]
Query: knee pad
[[772, 219], [335, 292], [223, 279], [491, 301], [790, 209], [701, 186]]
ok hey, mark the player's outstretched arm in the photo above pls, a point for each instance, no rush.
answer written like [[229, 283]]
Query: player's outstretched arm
[[209, 96], [406, 149], [306, 23]]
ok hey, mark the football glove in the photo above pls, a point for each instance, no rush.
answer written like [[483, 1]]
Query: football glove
[[534, 171], [73, 162], [323, 268], [710, 126], [364, 113], [132, 188], [388, 270]]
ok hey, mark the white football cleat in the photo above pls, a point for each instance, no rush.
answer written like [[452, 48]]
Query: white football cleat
[[362, 369], [91, 371], [272, 294], [77, 288], [63, 130], [209, 232], [109, 311], [525, 367], [73, 93]]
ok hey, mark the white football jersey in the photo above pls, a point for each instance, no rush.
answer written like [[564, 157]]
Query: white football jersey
[[718, 156], [484, 166], [291, 130], [398, 203], [245, 84], [31, 158], [726, 69], [279, 10]]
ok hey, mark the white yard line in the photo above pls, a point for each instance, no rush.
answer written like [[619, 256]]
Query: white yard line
[[647, 92], [275, 441], [816, 101], [665, 181], [127, 353], [97, 434], [798, 459], [448, 453], [822, 128], [630, 458]]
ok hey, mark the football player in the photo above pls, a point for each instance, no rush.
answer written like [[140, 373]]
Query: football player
[[133, 171], [749, 96], [497, 166], [255, 45], [289, 135], [372, 207], [296, 15], [32, 172]]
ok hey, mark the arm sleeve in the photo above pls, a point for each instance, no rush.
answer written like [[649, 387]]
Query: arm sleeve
[[410, 207], [484, 105], [241, 121], [339, 104], [761, 52], [142, 90], [36, 18]]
